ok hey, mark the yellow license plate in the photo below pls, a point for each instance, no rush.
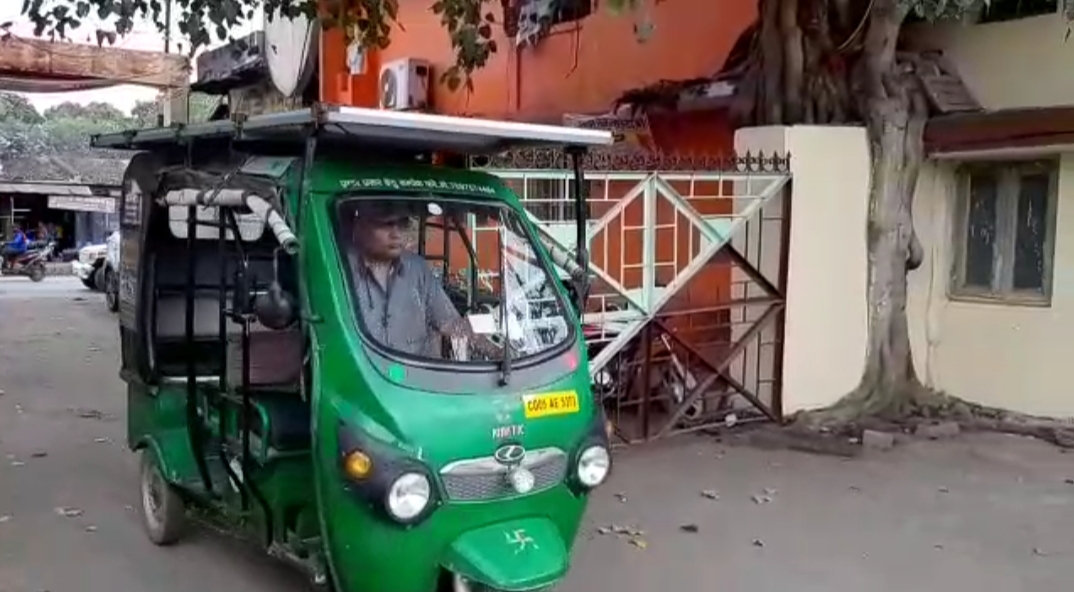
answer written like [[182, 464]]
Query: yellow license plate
[[548, 404]]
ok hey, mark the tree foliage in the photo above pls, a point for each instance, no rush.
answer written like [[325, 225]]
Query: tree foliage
[[68, 126], [18, 108], [92, 110], [201, 106], [369, 22]]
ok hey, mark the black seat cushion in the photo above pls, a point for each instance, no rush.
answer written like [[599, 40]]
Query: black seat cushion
[[289, 420]]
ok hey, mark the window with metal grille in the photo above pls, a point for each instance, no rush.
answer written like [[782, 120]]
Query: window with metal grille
[[1004, 233]]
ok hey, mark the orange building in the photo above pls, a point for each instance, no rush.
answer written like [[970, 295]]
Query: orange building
[[581, 66]]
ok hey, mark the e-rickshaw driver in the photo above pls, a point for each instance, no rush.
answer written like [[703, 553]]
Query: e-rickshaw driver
[[402, 302]]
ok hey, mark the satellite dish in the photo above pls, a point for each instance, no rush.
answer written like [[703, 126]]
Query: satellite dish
[[291, 47], [389, 88]]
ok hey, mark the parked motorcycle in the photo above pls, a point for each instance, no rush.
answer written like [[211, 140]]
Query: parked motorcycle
[[30, 264], [670, 376]]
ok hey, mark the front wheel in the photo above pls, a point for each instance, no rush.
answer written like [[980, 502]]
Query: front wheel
[[111, 290], [163, 511], [100, 280], [37, 272], [91, 281]]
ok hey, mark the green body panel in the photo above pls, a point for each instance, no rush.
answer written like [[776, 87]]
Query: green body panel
[[523, 554], [306, 490], [156, 420]]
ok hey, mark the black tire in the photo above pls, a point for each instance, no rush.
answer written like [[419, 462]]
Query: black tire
[[111, 290], [163, 510], [37, 272], [91, 281], [99, 279]]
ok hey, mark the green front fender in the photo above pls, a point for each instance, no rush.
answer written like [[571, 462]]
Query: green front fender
[[516, 555]]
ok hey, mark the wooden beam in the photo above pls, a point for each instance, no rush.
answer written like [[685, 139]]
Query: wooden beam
[[1006, 128], [38, 58]]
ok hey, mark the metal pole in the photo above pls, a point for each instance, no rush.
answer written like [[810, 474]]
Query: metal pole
[[581, 222], [167, 49]]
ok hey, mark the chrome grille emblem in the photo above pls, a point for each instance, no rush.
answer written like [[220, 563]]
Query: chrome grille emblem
[[509, 454]]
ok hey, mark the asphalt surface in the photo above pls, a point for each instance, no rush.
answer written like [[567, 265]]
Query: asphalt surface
[[973, 514], [67, 286]]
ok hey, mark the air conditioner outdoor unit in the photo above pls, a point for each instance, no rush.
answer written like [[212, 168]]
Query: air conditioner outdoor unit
[[404, 85]]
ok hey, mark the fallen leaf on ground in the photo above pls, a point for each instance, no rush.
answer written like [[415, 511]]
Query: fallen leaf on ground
[[689, 528], [621, 497], [68, 512], [17, 463], [758, 543], [38, 454], [712, 495], [944, 490], [5, 518], [101, 440], [639, 543], [1039, 552], [91, 528]]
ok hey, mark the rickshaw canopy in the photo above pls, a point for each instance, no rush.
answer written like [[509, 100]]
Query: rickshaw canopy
[[373, 128]]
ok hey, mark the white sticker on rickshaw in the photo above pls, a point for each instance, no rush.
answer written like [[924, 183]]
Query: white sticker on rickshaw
[[411, 183]]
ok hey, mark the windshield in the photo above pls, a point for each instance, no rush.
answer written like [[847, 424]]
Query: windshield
[[443, 278]]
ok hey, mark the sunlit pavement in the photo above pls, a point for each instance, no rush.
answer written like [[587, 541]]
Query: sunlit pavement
[[989, 514]]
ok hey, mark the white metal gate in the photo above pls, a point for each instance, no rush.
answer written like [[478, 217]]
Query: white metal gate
[[635, 219]]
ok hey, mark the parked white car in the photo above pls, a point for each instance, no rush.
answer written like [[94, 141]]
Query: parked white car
[[89, 261], [110, 272]]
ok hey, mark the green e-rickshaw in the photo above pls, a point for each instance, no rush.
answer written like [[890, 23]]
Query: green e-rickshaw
[[428, 427]]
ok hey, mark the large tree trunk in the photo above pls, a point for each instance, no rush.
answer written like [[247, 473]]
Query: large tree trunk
[[814, 85], [894, 113]]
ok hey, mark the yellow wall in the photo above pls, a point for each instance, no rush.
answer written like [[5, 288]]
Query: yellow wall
[[1015, 357], [1021, 63], [825, 332]]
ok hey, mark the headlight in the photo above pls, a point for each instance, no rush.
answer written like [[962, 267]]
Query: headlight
[[593, 465], [408, 496]]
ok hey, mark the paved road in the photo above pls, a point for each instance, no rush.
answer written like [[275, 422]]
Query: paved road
[[50, 287], [976, 514]]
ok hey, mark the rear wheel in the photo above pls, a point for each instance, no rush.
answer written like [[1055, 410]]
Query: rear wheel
[[111, 289], [37, 272], [91, 281], [100, 280], [163, 511]]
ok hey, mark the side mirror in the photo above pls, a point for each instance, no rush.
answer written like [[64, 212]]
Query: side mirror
[[577, 288], [276, 308], [580, 280]]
